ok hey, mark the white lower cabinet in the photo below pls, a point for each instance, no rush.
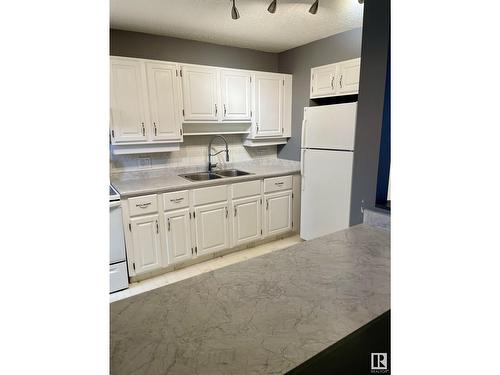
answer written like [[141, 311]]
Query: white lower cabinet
[[178, 235], [174, 227], [278, 213], [212, 232], [145, 233], [246, 220]]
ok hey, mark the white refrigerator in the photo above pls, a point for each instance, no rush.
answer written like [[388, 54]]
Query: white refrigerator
[[327, 153]]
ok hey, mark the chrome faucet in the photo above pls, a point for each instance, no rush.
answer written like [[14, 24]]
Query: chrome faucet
[[210, 165]]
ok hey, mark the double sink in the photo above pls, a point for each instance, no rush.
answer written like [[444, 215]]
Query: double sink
[[204, 176]]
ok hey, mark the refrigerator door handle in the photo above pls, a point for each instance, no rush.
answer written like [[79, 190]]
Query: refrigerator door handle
[[304, 132], [302, 164]]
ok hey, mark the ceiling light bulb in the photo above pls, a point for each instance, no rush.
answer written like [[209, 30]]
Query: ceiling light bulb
[[234, 12], [314, 8], [361, 1], [272, 7]]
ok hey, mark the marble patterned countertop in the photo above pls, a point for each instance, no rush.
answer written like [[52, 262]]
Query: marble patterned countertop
[[265, 315], [167, 179]]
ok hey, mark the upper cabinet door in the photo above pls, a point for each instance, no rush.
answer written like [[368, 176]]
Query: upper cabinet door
[[268, 99], [200, 93], [236, 95], [323, 81], [164, 101], [349, 76], [128, 101]]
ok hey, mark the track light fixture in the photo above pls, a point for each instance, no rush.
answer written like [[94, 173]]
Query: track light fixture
[[272, 7], [314, 8], [234, 12]]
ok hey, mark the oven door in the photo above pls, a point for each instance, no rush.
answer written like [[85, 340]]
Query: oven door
[[116, 236]]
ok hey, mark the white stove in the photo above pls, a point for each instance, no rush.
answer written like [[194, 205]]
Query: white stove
[[118, 273]]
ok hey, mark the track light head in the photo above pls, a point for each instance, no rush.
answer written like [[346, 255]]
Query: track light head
[[272, 7], [234, 12], [314, 8]]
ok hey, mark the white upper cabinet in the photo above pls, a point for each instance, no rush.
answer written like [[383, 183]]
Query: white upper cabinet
[[164, 101], [349, 76], [323, 81], [268, 101], [128, 101], [235, 95], [200, 93], [335, 79]]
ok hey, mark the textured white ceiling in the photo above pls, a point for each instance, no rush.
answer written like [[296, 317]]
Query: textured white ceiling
[[210, 21]]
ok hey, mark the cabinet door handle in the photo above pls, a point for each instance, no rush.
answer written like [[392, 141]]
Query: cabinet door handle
[[154, 124], [341, 80], [113, 133], [143, 129], [279, 183], [216, 109], [331, 83], [143, 205], [267, 204], [226, 212], [224, 110], [235, 211], [157, 229], [257, 127], [176, 200], [168, 222]]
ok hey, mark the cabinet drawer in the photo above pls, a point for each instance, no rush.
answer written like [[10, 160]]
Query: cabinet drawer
[[210, 195], [146, 204], [246, 189], [277, 184], [177, 199]]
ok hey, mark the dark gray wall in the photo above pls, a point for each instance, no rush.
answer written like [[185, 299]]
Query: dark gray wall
[[374, 53], [299, 61], [148, 46]]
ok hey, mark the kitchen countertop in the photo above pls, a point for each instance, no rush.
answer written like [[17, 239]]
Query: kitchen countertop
[[265, 315], [166, 179]]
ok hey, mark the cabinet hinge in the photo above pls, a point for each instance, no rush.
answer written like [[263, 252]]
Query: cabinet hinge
[[250, 79], [180, 72], [130, 227], [183, 113], [292, 195], [283, 82], [292, 224], [133, 265], [196, 249], [282, 130], [194, 215], [261, 201], [251, 115], [190, 216], [176, 73], [261, 231], [113, 133], [180, 131]]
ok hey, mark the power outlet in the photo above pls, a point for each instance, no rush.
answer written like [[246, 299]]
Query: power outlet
[[144, 163]]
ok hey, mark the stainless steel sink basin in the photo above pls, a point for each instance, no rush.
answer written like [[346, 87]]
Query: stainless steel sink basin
[[200, 176], [204, 176], [231, 173]]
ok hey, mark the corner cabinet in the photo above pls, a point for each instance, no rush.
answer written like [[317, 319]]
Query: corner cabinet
[[163, 230], [145, 102], [335, 79]]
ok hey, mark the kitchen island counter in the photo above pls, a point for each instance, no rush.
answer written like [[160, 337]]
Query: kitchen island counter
[[265, 315]]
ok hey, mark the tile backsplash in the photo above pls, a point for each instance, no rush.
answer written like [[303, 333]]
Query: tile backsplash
[[193, 151]]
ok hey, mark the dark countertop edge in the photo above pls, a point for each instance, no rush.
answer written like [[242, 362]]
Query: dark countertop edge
[[198, 184]]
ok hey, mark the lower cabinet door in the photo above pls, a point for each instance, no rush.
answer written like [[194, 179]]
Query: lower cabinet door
[[246, 220], [278, 213], [145, 232], [212, 232], [178, 234]]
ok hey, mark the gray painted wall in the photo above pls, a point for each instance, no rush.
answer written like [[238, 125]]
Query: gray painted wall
[[299, 61], [148, 46], [374, 52]]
